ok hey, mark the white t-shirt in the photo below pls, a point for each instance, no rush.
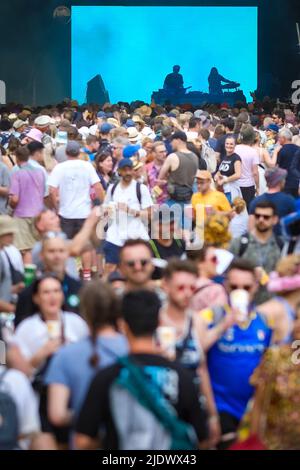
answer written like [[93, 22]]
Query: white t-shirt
[[192, 135], [249, 157], [74, 179], [32, 333], [15, 258], [239, 224], [123, 227], [17, 385]]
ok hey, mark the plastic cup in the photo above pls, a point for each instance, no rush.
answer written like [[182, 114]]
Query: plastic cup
[[29, 274], [208, 210], [54, 329], [166, 336], [239, 299]]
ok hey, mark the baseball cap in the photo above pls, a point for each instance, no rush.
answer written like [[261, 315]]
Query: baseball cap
[[130, 123], [73, 148], [125, 162], [179, 135], [273, 127], [130, 150], [203, 175], [105, 128], [101, 114]]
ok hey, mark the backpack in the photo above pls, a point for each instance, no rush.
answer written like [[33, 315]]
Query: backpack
[[155, 250], [146, 420], [138, 191], [245, 242], [209, 156], [16, 276], [9, 428]]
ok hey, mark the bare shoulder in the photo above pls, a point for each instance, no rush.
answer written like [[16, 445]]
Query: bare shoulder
[[271, 309]]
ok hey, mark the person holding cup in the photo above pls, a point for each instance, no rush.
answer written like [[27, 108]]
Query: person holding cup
[[38, 337], [235, 337]]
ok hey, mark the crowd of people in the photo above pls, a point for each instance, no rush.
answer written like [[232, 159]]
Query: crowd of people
[[149, 277]]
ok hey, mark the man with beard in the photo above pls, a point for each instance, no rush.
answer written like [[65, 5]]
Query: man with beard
[[260, 245], [128, 203]]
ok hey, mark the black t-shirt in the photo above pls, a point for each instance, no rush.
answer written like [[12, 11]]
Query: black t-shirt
[[175, 382], [226, 167], [166, 252], [26, 307]]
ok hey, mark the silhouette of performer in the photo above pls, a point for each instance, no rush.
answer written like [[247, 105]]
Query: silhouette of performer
[[214, 81], [174, 81]]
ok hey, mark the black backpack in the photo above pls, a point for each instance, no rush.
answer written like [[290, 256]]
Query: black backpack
[[138, 191], [9, 428], [245, 242]]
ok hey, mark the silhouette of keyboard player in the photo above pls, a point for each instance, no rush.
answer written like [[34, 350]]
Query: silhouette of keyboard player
[[215, 82], [174, 81]]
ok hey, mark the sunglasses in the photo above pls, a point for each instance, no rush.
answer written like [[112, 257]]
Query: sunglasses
[[183, 287], [142, 262], [265, 217], [213, 259], [52, 235], [235, 287]]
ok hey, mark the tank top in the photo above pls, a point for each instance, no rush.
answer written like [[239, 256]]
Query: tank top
[[291, 318], [188, 351], [184, 175]]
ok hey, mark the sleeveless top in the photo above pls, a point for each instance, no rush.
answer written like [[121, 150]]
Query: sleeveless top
[[291, 318], [185, 174], [188, 351]]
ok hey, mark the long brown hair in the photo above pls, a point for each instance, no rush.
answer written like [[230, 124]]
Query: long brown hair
[[100, 307]]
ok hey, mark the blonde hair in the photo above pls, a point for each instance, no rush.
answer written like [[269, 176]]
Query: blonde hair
[[288, 266], [239, 205], [216, 231]]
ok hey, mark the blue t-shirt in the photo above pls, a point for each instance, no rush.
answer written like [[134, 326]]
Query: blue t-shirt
[[70, 366], [232, 361], [284, 203]]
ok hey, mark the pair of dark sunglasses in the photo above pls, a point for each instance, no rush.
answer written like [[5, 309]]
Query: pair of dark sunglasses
[[132, 263]]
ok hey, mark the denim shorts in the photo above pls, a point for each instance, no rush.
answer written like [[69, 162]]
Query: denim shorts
[[111, 253]]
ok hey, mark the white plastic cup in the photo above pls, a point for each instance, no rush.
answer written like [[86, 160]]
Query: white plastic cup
[[166, 337], [54, 329], [239, 300]]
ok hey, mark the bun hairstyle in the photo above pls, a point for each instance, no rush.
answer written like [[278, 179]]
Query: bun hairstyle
[[100, 307], [239, 205]]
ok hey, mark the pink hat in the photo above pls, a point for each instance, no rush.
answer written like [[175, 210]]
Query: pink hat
[[283, 284], [35, 134]]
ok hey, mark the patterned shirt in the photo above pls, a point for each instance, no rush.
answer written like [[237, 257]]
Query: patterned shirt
[[153, 172]]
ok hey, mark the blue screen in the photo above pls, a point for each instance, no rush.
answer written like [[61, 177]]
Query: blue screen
[[134, 48]]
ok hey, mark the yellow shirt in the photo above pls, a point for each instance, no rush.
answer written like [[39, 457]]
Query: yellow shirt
[[213, 199]]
